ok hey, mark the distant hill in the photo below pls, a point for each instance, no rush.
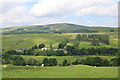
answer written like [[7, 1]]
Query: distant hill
[[56, 28]]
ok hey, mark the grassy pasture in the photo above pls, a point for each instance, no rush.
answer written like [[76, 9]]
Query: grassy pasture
[[29, 40], [114, 42], [78, 71], [15, 41]]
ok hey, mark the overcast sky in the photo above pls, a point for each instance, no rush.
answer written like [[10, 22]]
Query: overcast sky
[[38, 12]]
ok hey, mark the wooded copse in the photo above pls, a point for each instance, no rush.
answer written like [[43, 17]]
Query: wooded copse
[[94, 38]]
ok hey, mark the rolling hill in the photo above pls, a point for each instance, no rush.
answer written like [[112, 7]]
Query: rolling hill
[[56, 28]]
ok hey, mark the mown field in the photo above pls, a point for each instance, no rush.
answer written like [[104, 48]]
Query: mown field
[[79, 71], [15, 41]]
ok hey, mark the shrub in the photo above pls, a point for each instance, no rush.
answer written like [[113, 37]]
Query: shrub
[[31, 61], [64, 63]]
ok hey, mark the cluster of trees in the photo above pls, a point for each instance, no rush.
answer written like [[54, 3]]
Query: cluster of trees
[[91, 51], [95, 38], [92, 61], [49, 62], [10, 59], [63, 43], [97, 61], [65, 63], [54, 53], [40, 46], [36, 53], [19, 61]]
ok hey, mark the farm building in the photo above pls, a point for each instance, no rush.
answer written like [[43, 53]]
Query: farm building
[[55, 49], [44, 48], [58, 49], [19, 50]]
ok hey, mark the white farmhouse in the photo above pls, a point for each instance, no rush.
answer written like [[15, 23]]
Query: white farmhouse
[[55, 49], [44, 48]]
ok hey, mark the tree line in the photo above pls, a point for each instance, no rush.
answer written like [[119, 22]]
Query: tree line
[[92, 61], [92, 51], [97, 61], [70, 50]]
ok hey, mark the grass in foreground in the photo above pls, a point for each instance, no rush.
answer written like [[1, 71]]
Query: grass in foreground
[[79, 71]]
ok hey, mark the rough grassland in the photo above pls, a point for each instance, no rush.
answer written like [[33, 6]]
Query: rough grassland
[[79, 71], [15, 41]]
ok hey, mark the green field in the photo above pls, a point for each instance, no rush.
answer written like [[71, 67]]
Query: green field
[[79, 71], [29, 40], [15, 41]]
